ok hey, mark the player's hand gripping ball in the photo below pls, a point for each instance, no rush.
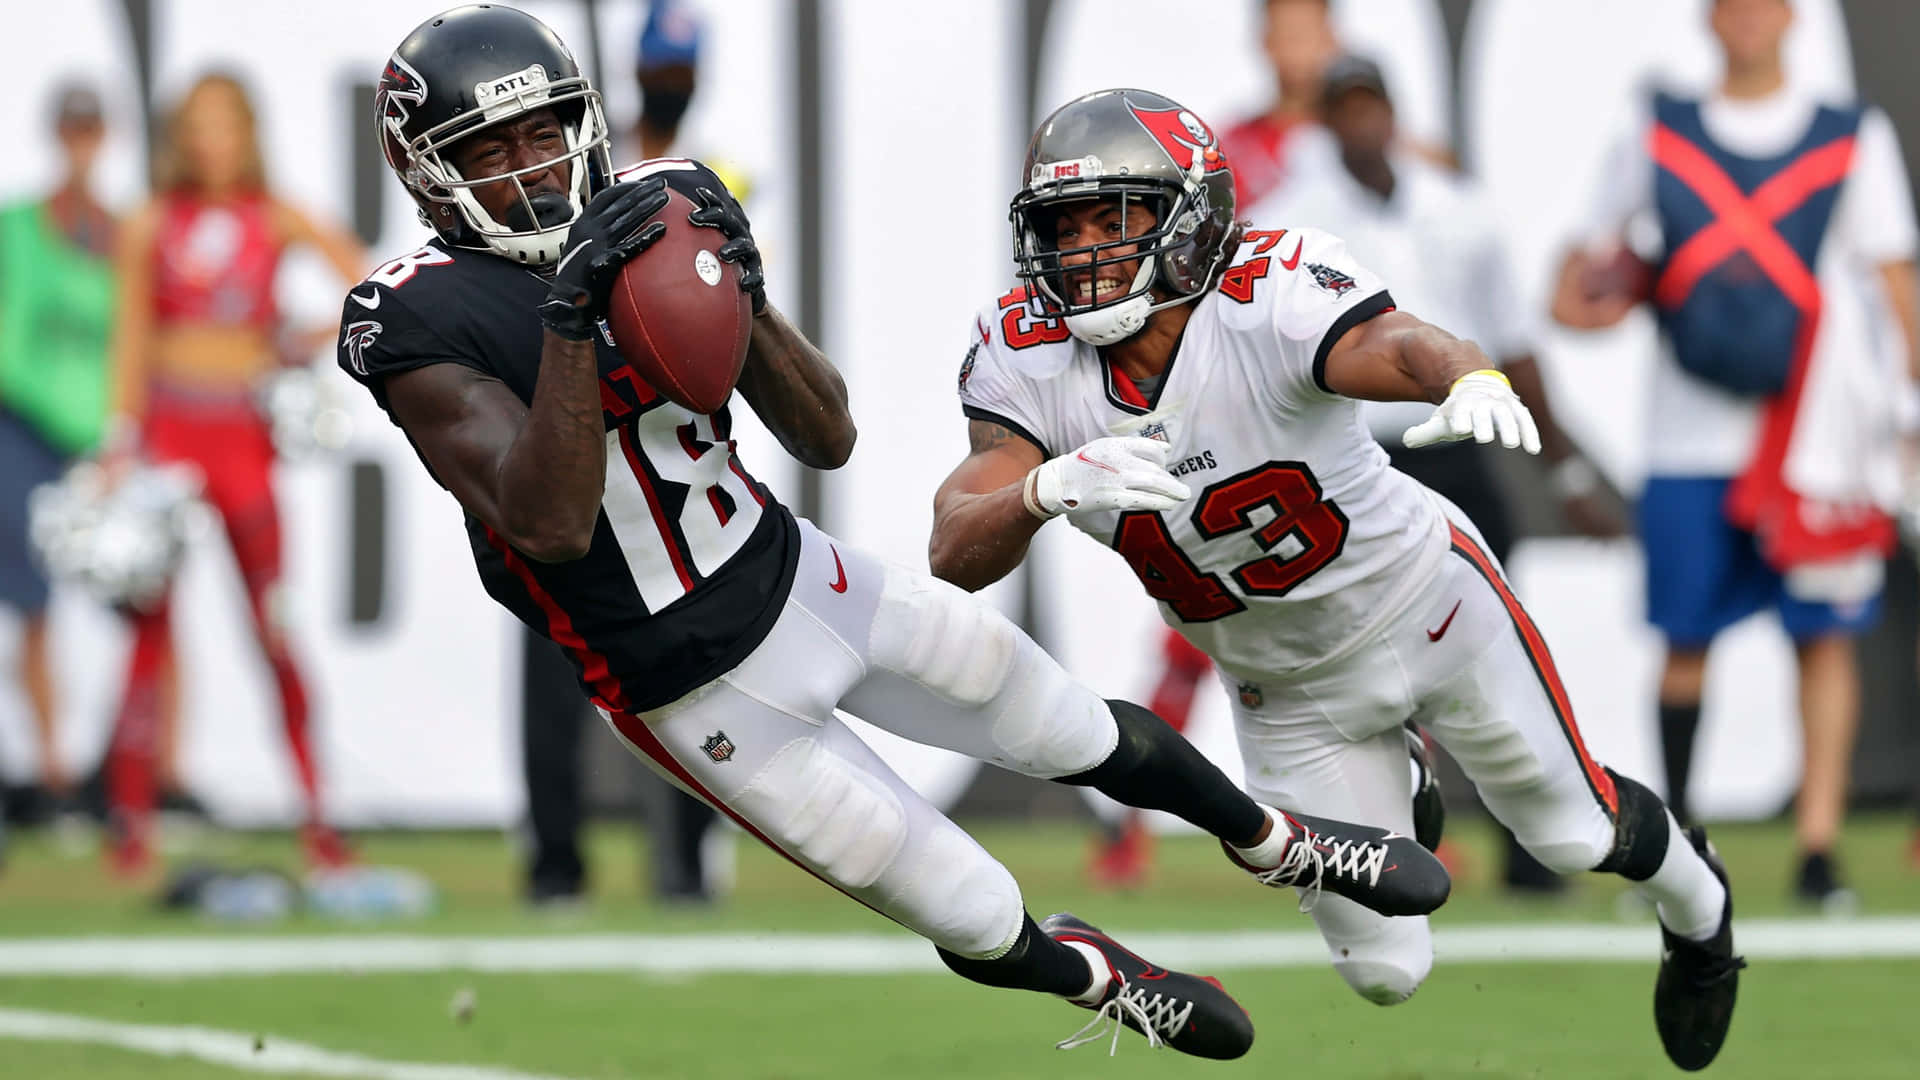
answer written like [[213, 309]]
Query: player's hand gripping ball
[[609, 232], [682, 315]]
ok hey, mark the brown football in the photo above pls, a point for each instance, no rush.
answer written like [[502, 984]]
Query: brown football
[[678, 315]]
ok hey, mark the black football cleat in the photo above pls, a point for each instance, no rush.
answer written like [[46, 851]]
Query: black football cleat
[[1429, 809], [1378, 869], [1693, 998], [1191, 1013]]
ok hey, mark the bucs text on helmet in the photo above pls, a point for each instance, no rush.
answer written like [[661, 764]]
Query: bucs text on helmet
[[1131, 146], [470, 68]]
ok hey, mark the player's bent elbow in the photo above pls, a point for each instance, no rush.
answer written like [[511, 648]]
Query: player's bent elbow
[[839, 448], [553, 547]]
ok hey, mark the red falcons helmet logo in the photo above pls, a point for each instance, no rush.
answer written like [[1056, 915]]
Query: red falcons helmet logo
[[1182, 135], [400, 86]]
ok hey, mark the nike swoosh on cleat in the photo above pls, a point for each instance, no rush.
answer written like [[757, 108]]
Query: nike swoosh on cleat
[[841, 585], [370, 303], [1436, 635]]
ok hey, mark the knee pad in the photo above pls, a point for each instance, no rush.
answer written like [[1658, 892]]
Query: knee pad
[[1640, 831], [949, 641], [954, 894], [836, 817], [1042, 723], [1386, 971]]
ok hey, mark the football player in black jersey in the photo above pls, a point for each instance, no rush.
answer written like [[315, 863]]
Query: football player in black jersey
[[715, 631]]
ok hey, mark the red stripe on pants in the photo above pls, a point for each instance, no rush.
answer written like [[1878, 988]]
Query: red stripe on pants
[[1536, 647]]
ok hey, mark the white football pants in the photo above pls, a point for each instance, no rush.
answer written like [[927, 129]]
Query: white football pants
[[1466, 662], [905, 652]]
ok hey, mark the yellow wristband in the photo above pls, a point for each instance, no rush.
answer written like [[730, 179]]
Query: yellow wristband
[[1483, 371]]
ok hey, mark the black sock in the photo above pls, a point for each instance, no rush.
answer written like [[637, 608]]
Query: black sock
[[1154, 767], [1036, 962], [1678, 725]]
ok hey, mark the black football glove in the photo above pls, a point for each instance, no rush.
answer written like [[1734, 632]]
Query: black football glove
[[723, 212], [607, 234]]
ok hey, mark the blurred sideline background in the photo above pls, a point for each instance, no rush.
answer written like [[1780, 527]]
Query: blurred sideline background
[[882, 141]]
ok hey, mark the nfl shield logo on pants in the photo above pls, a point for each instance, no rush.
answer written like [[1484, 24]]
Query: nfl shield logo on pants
[[1250, 695], [718, 746]]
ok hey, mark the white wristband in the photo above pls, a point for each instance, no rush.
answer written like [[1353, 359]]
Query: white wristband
[[1028, 497]]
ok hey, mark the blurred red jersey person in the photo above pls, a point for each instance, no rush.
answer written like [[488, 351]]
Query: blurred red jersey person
[[1299, 42], [195, 333]]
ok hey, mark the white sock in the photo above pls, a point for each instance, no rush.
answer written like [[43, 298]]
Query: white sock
[[1102, 974], [1267, 853], [1689, 898]]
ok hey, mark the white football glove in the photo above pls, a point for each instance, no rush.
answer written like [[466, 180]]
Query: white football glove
[[1116, 473], [1481, 404]]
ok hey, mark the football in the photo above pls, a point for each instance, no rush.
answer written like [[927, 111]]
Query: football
[[678, 316]]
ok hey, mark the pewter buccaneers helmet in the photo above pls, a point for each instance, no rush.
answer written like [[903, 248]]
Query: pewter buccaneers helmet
[[464, 70], [1129, 145]]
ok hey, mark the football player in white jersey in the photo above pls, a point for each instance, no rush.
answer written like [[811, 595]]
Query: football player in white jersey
[[1160, 351]]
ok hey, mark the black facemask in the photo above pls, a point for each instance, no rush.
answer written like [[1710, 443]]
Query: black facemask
[[662, 109]]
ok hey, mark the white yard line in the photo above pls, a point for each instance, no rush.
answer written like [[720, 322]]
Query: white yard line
[[877, 953], [234, 1049]]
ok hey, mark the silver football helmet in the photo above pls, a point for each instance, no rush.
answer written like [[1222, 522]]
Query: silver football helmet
[[1130, 146]]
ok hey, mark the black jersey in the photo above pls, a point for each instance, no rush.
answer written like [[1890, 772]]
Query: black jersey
[[691, 559]]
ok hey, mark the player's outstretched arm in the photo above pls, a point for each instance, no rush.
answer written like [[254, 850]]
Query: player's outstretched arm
[[981, 524], [1396, 357], [797, 393], [534, 475]]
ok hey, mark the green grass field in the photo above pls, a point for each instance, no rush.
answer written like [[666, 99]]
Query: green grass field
[[1851, 1017]]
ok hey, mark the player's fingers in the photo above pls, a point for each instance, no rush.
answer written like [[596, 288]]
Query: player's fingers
[[637, 243], [739, 249], [1529, 432], [1165, 486], [1482, 422], [1145, 500], [1434, 429], [616, 201], [1153, 450], [626, 219], [1507, 425]]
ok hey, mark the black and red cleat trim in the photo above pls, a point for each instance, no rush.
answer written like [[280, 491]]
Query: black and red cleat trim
[[1193, 1014]]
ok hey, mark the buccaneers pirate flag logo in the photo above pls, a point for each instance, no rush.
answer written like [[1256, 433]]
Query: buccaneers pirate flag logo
[[1182, 136]]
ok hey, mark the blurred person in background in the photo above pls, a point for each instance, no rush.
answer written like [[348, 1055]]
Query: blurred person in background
[[1430, 232], [56, 315], [1298, 39], [196, 331], [553, 710], [1784, 223]]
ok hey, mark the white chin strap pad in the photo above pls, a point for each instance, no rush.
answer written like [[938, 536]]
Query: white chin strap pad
[[1111, 325]]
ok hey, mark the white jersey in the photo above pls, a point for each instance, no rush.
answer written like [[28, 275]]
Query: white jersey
[[1299, 537]]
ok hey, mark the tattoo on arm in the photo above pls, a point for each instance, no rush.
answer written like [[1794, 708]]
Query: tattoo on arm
[[984, 435]]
